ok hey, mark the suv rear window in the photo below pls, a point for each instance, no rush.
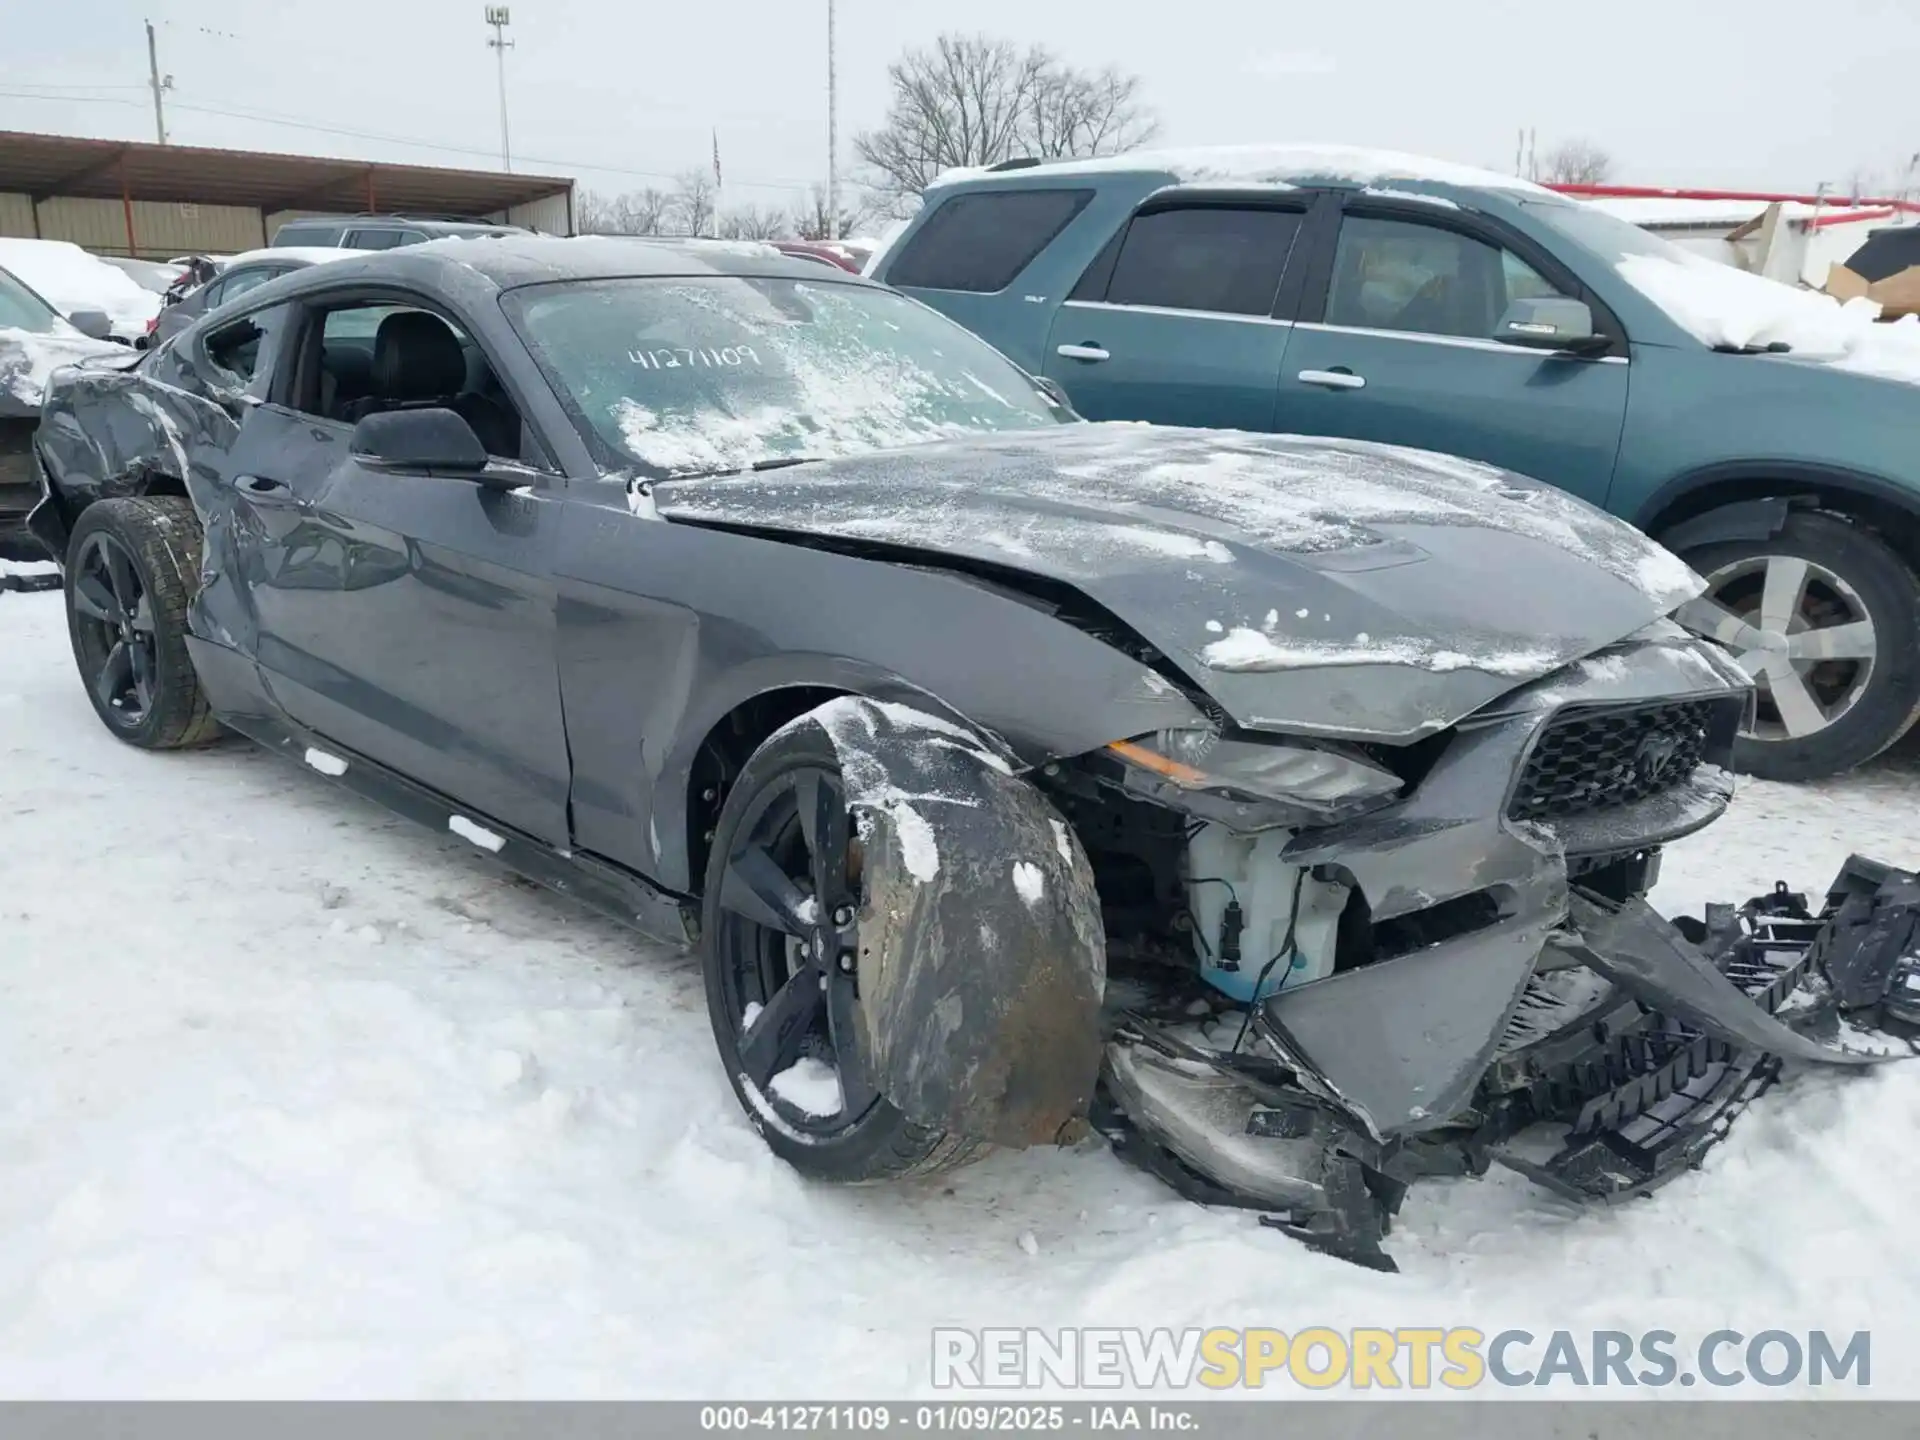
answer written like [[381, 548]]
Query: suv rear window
[[382, 239], [980, 241], [1219, 260]]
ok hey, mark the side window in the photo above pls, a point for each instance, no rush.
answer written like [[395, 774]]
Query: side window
[[373, 357], [1211, 258], [980, 241], [305, 234], [1425, 279], [239, 350], [377, 239], [237, 284]]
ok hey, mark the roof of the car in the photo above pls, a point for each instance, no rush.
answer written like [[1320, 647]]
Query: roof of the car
[[513, 260], [303, 254], [411, 222], [1267, 165]]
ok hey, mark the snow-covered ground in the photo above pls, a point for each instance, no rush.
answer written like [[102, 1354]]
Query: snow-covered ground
[[299, 1100]]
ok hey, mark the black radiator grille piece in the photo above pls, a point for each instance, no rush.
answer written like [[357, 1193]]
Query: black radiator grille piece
[[1597, 759]]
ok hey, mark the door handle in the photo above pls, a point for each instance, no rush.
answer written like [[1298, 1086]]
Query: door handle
[[261, 485], [1082, 352], [1333, 379]]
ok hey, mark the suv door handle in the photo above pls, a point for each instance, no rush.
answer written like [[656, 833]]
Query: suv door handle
[[1333, 379], [1082, 352]]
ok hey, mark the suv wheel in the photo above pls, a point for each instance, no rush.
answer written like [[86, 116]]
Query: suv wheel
[[1826, 618]]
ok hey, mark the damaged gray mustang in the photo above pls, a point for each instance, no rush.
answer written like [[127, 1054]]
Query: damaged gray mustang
[[1283, 809]]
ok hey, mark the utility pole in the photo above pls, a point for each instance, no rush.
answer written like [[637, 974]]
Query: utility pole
[[153, 79], [497, 17], [833, 134]]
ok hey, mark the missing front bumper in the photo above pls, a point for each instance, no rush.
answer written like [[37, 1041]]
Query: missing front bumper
[[1641, 1051]]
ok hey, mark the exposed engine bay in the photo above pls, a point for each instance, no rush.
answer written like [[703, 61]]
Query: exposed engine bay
[[1394, 964]]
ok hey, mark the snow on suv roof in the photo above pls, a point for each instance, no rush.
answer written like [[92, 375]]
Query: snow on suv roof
[[1276, 164]]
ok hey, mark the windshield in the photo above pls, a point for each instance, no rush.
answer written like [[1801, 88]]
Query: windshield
[[21, 309], [709, 374]]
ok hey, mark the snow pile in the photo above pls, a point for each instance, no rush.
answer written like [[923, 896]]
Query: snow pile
[[382, 1123], [1246, 649], [70, 280], [1723, 306], [28, 360], [1279, 163]]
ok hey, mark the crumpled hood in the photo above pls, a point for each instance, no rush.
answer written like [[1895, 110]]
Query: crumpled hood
[[1327, 586]]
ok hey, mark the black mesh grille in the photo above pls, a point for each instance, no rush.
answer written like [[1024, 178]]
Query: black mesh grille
[[1597, 759]]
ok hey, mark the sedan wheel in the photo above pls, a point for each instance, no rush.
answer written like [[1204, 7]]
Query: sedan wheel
[[1823, 617], [113, 631], [131, 565], [783, 951]]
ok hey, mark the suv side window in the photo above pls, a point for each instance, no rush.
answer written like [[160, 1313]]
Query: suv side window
[[382, 239], [1425, 279], [1213, 258], [981, 240], [242, 350], [303, 233]]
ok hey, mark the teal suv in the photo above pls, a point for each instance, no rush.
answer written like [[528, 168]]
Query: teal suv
[[1389, 299]]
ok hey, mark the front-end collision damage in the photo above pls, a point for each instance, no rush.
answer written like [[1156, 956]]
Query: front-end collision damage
[[1498, 969], [982, 959]]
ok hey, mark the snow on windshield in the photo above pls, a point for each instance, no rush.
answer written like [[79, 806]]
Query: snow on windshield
[[69, 279], [699, 375], [1723, 306]]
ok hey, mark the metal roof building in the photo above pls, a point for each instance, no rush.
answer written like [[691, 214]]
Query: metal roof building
[[124, 197]]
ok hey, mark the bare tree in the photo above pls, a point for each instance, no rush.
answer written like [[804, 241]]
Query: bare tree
[[691, 206], [1575, 162], [753, 222], [810, 216], [973, 100], [636, 212]]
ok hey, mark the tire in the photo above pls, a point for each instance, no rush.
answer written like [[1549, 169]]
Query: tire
[[145, 552], [1862, 702], [744, 961]]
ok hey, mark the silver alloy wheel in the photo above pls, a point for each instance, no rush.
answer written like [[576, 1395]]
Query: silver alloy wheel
[[1799, 630]]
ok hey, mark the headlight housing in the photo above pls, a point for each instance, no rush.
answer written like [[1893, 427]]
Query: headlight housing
[[1253, 784]]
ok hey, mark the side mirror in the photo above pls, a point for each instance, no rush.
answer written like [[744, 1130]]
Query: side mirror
[[94, 324], [426, 439], [1550, 323]]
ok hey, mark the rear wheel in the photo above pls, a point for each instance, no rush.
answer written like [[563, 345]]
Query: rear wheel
[[1826, 618], [130, 567], [781, 951]]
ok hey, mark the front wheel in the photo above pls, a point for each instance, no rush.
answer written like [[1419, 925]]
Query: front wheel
[[1826, 618], [782, 954]]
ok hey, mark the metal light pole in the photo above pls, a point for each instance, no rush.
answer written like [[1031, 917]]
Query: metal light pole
[[833, 134], [497, 17], [158, 84]]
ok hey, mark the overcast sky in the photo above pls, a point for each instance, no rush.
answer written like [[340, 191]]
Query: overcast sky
[[1733, 93]]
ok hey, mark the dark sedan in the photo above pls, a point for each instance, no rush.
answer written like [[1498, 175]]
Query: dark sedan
[[995, 761]]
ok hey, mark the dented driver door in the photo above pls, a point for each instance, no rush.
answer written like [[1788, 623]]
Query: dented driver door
[[408, 616]]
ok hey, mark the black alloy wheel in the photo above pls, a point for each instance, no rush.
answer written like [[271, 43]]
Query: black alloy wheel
[[783, 952], [113, 630], [788, 944]]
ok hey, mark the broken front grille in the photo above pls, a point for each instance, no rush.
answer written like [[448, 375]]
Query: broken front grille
[[1595, 759]]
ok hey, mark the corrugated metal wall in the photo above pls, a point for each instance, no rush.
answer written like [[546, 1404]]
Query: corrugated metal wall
[[160, 228], [551, 216], [163, 229]]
